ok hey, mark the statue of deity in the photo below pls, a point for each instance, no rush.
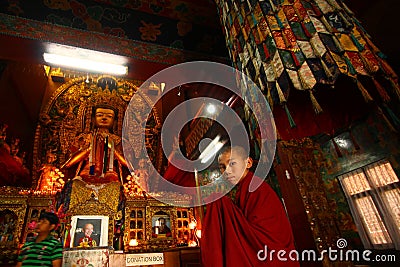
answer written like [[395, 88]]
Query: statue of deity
[[142, 175], [98, 153], [95, 168], [46, 171]]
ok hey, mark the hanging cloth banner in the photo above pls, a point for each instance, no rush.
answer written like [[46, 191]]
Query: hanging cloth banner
[[312, 41], [294, 77], [307, 49], [306, 76], [357, 63], [324, 6], [318, 25]]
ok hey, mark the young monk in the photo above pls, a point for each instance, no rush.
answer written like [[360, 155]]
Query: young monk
[[244, 231]]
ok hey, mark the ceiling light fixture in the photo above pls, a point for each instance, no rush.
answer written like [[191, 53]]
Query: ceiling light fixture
[[85, 59], [211, 109]]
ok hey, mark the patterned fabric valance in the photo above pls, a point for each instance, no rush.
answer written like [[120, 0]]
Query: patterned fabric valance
[[302, 44]]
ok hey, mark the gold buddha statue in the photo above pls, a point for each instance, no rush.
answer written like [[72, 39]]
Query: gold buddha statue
[[98, 153]]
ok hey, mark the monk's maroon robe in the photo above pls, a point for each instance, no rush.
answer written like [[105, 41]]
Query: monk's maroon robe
[[234, 233]]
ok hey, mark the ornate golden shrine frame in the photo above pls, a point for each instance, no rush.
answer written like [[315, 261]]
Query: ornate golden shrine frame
[[68, 113]]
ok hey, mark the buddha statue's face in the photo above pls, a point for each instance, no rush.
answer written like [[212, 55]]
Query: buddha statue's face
[[104, 118]]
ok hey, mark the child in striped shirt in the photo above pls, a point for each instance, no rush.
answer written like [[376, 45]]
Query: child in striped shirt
[[44, 249]]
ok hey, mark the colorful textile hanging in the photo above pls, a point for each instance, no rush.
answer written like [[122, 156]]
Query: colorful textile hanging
[[283, 44]]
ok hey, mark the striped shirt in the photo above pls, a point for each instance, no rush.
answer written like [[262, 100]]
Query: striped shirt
[[41, 253]]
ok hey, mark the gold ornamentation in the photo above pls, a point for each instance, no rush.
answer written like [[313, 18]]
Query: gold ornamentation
[[182, 200], [69, 113], [106, 194]]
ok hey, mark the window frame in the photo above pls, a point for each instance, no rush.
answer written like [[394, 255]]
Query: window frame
[[383, 211]]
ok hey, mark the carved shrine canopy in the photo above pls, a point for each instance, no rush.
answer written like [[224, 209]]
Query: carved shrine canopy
[[69, 113]]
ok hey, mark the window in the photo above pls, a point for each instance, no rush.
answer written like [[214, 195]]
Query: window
[[374, 198]]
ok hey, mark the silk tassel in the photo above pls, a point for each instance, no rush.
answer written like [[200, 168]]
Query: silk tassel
[[317, 107], [249, 5], [382, 92], [360, 47], [350, 67], [269, 97], [282, 98], [303, 83], [363, 31], [364, 92], [280, 24], [289, 116]]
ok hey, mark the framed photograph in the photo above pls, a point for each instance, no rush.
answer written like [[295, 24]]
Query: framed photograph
[[89, 231], [161, 225]]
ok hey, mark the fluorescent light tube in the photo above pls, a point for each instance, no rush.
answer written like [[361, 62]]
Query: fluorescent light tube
[[85, 64], [213, 151], [85, 59], [207, 150]]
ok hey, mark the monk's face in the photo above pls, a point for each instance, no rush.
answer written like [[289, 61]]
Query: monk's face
[[162, 223], [88, 229], [233, 166], [104, 118]]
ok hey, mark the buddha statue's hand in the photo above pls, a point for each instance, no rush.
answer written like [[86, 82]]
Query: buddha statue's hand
[[76, 157]]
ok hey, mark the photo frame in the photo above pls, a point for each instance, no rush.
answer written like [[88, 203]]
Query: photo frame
[[160, 222], [89, 231], [161, 225]]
